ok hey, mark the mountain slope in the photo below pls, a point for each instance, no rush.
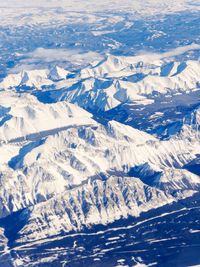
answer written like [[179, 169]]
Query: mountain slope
[[65, 169]]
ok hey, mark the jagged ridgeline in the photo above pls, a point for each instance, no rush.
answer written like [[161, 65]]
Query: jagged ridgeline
[[99, 133]]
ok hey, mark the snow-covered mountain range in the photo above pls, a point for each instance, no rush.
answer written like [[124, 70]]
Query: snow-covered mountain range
[[72, 169], [97, 140]]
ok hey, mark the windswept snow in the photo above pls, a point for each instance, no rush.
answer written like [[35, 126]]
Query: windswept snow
[[27, 116]]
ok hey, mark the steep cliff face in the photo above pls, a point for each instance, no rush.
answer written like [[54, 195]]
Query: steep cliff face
[[96, 202]]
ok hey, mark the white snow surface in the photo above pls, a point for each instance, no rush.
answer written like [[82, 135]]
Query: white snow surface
[[114, 80], [62, 7], [70, 171]]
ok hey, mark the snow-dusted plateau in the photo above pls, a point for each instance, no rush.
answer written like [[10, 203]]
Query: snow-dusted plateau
[[99, 133]]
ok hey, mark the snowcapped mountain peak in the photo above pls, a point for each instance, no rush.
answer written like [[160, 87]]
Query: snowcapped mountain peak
[[34, 78], [29, 78], [57, 73], [28, 117]]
